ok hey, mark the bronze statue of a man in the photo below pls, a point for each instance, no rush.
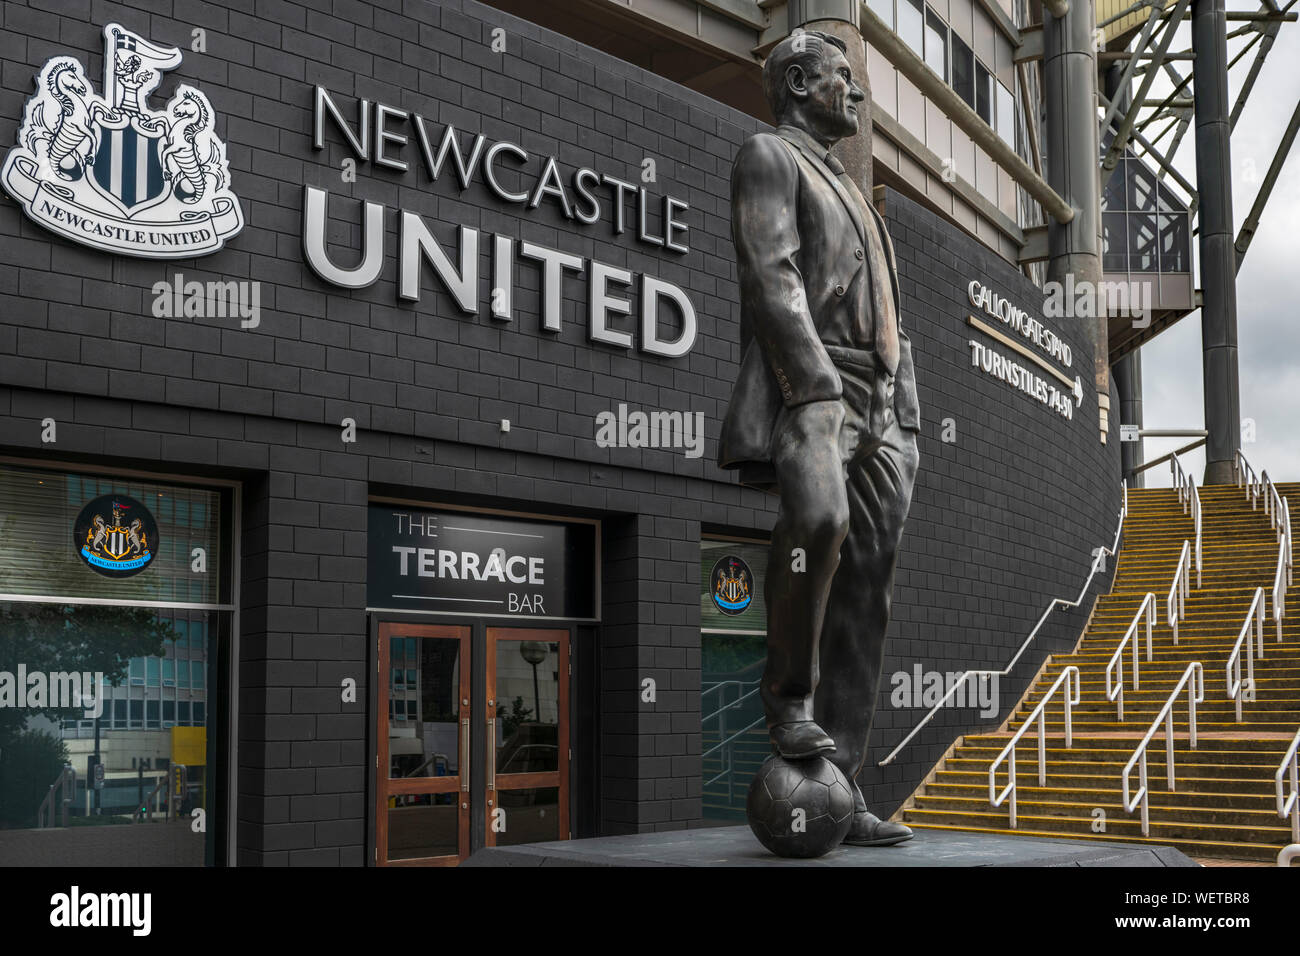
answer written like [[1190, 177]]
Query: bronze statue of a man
[[824, 412]]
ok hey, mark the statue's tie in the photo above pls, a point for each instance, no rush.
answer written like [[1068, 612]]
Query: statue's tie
[[886, 319]]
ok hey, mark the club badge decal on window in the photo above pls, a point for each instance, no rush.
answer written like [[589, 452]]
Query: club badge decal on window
[[732, 585], [116, 536]]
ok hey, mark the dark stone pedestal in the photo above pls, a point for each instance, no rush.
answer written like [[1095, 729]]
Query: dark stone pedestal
[[736, 846]]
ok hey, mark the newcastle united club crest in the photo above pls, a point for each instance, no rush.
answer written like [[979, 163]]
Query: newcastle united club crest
[[116, 536], [111, 172], [732, 585]]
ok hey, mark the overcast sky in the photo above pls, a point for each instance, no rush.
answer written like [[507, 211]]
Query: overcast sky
[[1268, 334]]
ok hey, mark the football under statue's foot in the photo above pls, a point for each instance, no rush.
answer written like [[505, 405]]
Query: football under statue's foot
[[801, 740], [868, 829]]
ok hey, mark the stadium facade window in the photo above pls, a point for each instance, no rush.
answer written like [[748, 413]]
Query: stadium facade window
[[1006, 115], [963, 70], [911, 24], [733, 643], [936, 43], [72, 611], [983, 93]]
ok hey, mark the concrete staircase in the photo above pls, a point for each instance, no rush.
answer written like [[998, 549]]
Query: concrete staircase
[[1222, 805]]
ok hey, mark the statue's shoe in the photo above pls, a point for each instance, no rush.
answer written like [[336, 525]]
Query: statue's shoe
[[869, 830], [801, 740]]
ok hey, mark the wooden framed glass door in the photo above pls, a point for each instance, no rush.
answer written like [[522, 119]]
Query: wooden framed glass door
[[527, 723], [422, 812]]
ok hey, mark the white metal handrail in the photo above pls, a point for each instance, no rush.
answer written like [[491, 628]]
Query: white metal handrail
[[1195, 695], [1176, 603], [1148, 609], [1188, 497], [1039, 718], [1289, 805], [1242, 471], [1236, 688], [1272, 500], [1098, 560], [1282, 577]]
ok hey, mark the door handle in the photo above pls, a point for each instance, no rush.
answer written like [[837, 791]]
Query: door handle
[[492, 753], [464, 755]]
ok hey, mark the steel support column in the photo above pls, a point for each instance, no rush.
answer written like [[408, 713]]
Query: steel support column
[[1070, 99], [1128, 380], [1217, 253], [1128, 370]]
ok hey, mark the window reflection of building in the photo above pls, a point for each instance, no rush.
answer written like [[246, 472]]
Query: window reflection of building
[[150, 635], [733, 650]]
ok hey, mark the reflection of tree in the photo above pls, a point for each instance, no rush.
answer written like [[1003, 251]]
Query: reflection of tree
[[726, 654], [518, 714], [29, 763], [73, 638]]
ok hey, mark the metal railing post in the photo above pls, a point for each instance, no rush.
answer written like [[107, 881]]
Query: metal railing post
[[1038, 719], [1194, 680]]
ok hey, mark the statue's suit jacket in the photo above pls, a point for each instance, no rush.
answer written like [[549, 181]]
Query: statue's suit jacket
[[803, 258]]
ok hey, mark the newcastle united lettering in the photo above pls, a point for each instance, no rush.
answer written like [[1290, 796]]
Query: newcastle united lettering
[[665, 323]]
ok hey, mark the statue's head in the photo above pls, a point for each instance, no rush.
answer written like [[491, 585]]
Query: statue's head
[[809, 84]]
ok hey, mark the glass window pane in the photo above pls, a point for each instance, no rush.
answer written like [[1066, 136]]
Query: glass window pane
[[169, 712], [151, 709], [168, 672], [424, 825], [963, 70], [1114, 195], [1142, 243], [38, 500], [1114, 242], [200, 713], [1141, 185], [911, 24], [531, 816], [983, 93], [734, 735], [1175, 244], [424, 735], [196, 674], [137, 714], [528, 704], [151, 671], [1006, 116], [183, 712], [883, 9], [936, 43]]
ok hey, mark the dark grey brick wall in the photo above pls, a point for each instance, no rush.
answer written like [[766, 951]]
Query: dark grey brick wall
[[1005, 517], [427, 385]]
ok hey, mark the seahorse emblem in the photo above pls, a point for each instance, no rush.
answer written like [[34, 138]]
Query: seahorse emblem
[[63, 142], [189, 156]]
